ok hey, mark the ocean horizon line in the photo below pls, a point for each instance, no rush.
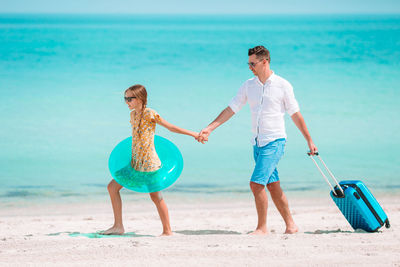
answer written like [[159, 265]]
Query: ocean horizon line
[[201, 14]]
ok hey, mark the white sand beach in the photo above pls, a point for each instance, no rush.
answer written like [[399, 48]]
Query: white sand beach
[[206, 233]]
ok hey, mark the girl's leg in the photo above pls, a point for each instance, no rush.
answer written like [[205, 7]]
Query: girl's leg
[[162, 209], [118, 228]]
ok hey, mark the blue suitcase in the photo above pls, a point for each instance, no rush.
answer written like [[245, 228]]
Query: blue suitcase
[[356, 202]]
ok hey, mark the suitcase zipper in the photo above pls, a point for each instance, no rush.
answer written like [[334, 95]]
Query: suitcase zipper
[[361, 194]]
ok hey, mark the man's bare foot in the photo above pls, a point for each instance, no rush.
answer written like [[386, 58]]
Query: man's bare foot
[[259, 232], [169, 233], [115, 230], [292, 229]]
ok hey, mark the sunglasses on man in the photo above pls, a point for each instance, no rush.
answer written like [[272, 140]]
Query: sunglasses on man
[[252, 64]]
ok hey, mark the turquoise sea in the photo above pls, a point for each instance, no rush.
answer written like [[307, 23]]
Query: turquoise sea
[[62, 79]]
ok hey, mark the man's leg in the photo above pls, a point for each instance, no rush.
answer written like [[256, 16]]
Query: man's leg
[[266, 158], [261, 199], [282, 205]]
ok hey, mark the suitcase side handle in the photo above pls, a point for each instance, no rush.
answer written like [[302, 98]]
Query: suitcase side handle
[[330, 173]]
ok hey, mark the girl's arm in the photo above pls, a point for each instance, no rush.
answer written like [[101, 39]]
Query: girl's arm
[[176, 129]]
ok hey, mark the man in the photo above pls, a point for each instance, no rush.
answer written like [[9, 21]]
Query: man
[[269, 97]]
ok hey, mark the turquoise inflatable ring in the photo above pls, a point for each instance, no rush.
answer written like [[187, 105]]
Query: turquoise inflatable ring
[[120, 168]]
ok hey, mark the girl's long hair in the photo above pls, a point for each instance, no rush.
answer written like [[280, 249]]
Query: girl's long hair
[[139, 91]]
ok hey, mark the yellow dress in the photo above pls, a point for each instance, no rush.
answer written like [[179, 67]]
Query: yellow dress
[[144, 156]]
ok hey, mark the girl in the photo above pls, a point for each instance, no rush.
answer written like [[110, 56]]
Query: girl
[[144, 156]]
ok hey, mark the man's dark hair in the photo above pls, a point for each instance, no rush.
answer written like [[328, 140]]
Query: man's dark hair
[[261, 52]]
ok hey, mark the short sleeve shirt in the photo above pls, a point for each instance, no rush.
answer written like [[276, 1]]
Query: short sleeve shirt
[[268, 104]]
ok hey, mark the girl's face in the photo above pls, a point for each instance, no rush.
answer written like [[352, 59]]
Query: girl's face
[[133, 102]]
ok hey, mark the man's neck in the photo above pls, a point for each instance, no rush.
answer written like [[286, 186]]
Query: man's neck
[[263, 77]]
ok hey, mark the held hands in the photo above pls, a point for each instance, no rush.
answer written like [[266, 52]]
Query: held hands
[[203, 135]]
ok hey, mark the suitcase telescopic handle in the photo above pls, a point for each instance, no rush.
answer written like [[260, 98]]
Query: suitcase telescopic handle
[[327, 169]]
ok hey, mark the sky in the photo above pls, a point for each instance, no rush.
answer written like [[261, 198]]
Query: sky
[[202, 6]]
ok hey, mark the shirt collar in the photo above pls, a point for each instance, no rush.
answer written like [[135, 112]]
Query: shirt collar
[[270, 78]]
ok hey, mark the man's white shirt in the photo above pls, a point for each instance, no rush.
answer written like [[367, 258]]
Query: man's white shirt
[[268, 104]]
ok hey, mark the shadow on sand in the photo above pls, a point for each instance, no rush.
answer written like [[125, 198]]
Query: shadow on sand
[[207, 232], [319, 232], [98, 235]]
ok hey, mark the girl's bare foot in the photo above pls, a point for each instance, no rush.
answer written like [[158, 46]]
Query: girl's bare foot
[[291, 229], [166, 233], [115, 230], [259, 232]]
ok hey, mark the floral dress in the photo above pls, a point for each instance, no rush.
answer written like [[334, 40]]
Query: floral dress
[[144, 156]]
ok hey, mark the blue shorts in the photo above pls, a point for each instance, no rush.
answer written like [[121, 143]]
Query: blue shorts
[[267, 158]]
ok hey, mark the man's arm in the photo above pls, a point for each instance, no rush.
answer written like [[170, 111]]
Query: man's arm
[[301, 124], [225, 115]]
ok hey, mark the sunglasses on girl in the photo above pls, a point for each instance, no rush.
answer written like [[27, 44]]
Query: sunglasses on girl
[[129, 99]]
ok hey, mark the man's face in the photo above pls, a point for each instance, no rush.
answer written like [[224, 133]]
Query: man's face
[[256, 65]]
